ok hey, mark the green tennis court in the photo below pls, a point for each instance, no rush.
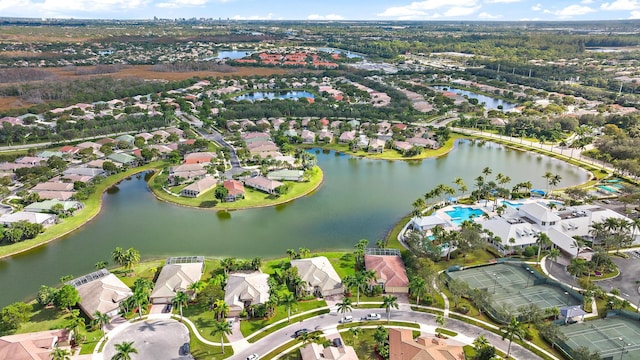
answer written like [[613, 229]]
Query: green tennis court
[[514, 286], [607, 336]]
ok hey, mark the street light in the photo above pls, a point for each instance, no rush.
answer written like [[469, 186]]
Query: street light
[[623, 345], [532, 277], [567, 293], [495, 282]]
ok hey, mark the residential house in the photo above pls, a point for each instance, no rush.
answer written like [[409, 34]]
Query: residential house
[[34, 218], [376, 145], [255, 137], [319, 275], [402, 146], [106, 141], [263, 184], [402, 346], [325, 136], [347, 137], [286, 175], [313, 351], [100, 291], [245, 289], [145, 135], [235, 190], [30, 160], [58, 195], [422, 142], [199, 187], [126, 138], [47, 206], [46, 154], [308, 137], [53, 186], [187, 172], [163, 134], [389, 269], [277, 122], [69, 151], [32, 346], [199, 157], [124, 159], [175, 131], [176, 275], [85, 171]]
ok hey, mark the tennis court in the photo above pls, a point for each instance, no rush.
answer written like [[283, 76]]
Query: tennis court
[[514, 286], [607, 336]]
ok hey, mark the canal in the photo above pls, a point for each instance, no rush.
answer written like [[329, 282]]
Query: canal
[[359, 198]]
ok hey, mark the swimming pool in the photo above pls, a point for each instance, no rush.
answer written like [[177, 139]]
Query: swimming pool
[[608, 188], [460, 214]]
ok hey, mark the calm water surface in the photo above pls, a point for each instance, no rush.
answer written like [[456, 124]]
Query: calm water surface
[[489, 102], [359, 198], [259, 95]]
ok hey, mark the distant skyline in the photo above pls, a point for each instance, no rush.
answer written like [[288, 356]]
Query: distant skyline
[[488, 10]]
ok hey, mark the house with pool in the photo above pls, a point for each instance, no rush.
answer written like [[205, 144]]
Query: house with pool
[[518, 224]]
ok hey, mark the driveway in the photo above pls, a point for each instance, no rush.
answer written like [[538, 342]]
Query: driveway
[[158, 339], [626, 282]]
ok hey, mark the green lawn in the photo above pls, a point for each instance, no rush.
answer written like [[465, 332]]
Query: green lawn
[[248, 327], [363, 344], [91, 209], [253, 198], [201, 350], [203, 318], [343, 262]]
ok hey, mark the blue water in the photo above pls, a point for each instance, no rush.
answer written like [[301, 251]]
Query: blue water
[[229, 54], [460, 214], [511, 204], [608, 188], [489, 102], [259, 95]]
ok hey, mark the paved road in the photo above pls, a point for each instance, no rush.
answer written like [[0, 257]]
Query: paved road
[[328, 323], [158, 339], [236, 168], [626, 282]]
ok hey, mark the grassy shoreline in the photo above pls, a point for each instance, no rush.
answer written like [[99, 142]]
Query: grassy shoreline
[[257, 199], [92, 207]]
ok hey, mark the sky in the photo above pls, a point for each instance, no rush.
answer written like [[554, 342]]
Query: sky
[[487, 10]]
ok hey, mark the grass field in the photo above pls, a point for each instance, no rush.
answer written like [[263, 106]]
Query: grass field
[[248, 327]]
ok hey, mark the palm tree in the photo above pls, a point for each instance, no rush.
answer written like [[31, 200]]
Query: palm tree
[[389, 302], [462, 187], [441, 321], [480, 342], [141, 298], [197, 286], [542, 239], [181, 299], [60, 354], [131, 258], [417, 286], [291, 253], [303, 252], [355, 331], [486, 172], [288, 300], [554, 254], [76, 321], [228, 264], [100, 320], [117, 255], [221, 328], [101, 265], [512, 329], [220, 309], [124, 351], [344, 306]]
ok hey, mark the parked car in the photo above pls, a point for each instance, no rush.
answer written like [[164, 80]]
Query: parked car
[[337, 342], [167, 308], [185, 349], [347, 319], [372, 316], [253, 357], [299, 332]]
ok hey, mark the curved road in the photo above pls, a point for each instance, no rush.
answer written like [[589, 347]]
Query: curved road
[[328, 324]]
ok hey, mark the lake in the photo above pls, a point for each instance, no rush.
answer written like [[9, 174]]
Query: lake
[[261, 95], [490, 102], [347, 53], [359, 198]]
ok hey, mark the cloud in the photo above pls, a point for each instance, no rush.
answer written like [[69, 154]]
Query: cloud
[[586, 2], [325, 17], [53, 8], [485, 15], [500, 1], [182, 3], [424, 9], [536, 7], [532, 19], [635, 15], [621, 5], [573, 10]]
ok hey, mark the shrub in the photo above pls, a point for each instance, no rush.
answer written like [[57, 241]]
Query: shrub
[[529, 251]]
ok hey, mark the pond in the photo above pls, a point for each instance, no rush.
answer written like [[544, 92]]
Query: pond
[[347, 53], [489, 102], [260, 95], [359, 199]]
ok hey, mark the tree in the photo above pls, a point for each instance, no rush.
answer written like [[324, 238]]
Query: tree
[[101, 265], [131, 258], [355, 331], [109, 167], [291, 253], [124, 351], [118, 255], [66, 297], [583, 353], [13, 315], [303, 252], [220, 309], [221, 192], [389, 302], [46, 295], [60, 354], [197, 286], [554, 254], [511, 330], [441, 321], [181, 299], [417, 286], [484, 350], [359, 280], [344, 306], [221, 328], [100, 320], [228, 264], [542, 239], [288, 301], [75, 321]]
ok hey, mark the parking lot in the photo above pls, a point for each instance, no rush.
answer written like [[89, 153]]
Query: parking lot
[[627, 281]]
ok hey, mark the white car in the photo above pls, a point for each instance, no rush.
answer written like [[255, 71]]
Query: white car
[[347, 319], [372, 316], [253, 357]]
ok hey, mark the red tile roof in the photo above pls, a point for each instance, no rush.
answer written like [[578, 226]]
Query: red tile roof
[[235, 187], [388, 268]]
